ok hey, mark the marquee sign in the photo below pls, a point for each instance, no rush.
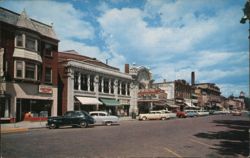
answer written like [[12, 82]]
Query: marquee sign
[[45, 89]]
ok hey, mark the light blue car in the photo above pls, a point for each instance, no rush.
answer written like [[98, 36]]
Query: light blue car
[[191, 113]]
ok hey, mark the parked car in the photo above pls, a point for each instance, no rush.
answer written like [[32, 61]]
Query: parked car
[[202, 113], [181, 114], [169, 113], [154, 115], [236, 113], [191, 113], [102, 117], [71, 118]]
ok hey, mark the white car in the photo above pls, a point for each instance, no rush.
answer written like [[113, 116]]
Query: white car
[[202, 113], [103, 118], [154, 115], [169, 113]]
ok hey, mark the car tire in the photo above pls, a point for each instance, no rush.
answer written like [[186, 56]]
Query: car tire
[[163, 118], [144, 118], [108, 123], [83, 124], [52, 126]]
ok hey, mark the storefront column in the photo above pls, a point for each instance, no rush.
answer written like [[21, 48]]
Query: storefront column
[[120, 86], [70, 91], [6, 111], [96, 85], [102, 82], [109, 86], [79, 81], [88, 82], [126, 88]]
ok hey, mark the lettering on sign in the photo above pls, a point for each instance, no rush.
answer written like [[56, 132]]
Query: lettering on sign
[[45, 89]]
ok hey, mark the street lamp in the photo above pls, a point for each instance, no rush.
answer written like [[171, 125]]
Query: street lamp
[[246, 16]]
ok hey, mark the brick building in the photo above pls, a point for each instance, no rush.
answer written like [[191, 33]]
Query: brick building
[[28, 67]]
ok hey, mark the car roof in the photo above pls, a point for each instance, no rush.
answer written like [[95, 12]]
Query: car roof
[[97, 112]]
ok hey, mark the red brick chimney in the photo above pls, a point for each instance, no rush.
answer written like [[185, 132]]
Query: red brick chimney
[[192, 78], [126, 68]]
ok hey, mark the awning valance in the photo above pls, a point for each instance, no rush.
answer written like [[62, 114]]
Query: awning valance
[[88, 101], [110, 102]]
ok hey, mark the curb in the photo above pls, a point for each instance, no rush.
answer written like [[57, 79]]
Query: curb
[[13, 130]]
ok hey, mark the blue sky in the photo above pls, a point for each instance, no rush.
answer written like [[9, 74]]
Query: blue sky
[[171, 37]]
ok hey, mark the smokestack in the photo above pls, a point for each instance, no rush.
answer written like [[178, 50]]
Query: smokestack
[[126, 68], [192, 78]]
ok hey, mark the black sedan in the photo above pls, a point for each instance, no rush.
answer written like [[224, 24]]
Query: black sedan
[[71, 118]]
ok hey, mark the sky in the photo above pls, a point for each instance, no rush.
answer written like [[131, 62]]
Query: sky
[[170, 37]]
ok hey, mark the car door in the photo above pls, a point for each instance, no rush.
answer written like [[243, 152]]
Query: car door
[[67, 118]]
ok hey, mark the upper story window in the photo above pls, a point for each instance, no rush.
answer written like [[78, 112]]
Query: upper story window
[[48, 74], [30, 69], [19, 40], [19, 69], [31, 43], [48, 50], [76, 74], [106, 85]]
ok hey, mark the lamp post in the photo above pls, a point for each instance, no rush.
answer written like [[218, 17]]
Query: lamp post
[[243, 20], [246, 17]]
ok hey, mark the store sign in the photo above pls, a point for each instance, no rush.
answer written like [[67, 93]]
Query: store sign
[[45, 89]]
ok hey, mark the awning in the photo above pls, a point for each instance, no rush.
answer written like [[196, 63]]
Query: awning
[[172, 105], [88, 101], [110, 102]]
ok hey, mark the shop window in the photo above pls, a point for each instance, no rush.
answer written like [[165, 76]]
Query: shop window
[[48, 50], [76, 80], [92, 83], [31, 43], [106, 85], [30, 70], [48, 75], [19, 40], [128, 89], [84, 82], [19, 69]]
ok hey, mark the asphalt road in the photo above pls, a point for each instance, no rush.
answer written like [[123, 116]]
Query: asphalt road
[[210, 136]]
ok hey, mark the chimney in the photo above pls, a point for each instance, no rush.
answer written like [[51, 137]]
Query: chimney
[[126, 68], [192, 78]]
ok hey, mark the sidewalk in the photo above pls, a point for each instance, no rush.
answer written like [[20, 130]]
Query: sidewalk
[[24, 126]]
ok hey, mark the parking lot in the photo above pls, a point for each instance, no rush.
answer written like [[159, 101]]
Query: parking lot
[[208, 136]]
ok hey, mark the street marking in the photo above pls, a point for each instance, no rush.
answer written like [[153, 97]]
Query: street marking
[[196, 141], [172, 152]]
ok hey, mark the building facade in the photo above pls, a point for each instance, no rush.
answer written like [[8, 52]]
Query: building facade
[[208, 95], [28, 67], [88, 84]]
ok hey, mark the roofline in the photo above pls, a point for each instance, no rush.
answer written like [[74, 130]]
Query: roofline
[[29, 18]]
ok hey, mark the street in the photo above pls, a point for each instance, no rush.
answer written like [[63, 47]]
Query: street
[[209, 136]]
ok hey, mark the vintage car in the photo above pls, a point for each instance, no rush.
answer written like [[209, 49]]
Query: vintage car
[[154, 115], [191, 113], [236, 113], [202, 113], [71, 118], [103, 118], [169, 113]]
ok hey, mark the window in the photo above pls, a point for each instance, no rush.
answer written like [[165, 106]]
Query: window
[[19, 69], [30, 70], [112, 86], [48, 75], [84, 82], [31, 43], [19, 40], [123, 88], [100, 84], [92, 83], [76, 80], [106, 85], [48, 50]]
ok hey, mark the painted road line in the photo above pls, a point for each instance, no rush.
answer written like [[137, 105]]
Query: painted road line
[[173, 153], [196, 141]]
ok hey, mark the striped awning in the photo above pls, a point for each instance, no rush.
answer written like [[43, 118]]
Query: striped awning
[[88, 101]]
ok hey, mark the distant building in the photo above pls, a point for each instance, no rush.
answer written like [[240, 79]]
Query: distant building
[[178, 93], [208, 95], [28, 67], [86, 83]]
